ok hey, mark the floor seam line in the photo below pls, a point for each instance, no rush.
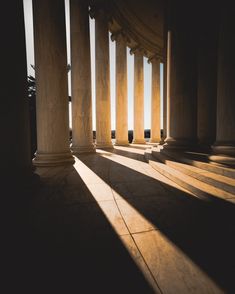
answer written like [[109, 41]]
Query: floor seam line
[[137, 247]]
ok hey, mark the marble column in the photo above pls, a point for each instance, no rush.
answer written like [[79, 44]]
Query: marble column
[[51, 83], [103, 111], [155, 105], [224, 147], [181, 81], [164, 129], [168, 78], [138, 134], [164, 61], [16, 164], [82, 134], [206, 103], [207, 78], [121, 92]]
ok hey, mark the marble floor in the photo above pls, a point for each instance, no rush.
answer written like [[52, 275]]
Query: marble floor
[[113, 224]]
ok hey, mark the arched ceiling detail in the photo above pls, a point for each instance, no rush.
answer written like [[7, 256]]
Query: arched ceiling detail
[[141, 23]]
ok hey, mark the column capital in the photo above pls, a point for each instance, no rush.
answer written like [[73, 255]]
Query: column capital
[[137, 50], [156, 57], [99, 9], [94, 10], [120, 36]]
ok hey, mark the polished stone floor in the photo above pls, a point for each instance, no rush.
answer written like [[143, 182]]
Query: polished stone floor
[[113, 224]]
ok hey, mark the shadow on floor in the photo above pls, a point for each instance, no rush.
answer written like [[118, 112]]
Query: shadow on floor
[[129, 153], [60, 246], [203, 230], [69, 248]]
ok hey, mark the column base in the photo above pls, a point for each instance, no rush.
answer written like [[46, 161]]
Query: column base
[[228, 150], [204, 144], [204, 148], [83, 149], [53, 159], [121, 143], [162, 141], [155, 140], [138, 141], [227, 160], [223, 154], [179, 144], [104, 145]]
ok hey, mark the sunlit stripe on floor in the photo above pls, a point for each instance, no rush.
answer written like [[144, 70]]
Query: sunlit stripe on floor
[[140, 167], [157, 257], [112, 212]]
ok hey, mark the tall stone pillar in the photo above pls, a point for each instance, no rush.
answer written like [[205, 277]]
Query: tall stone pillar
[[181, 80], [51, 83], [155, 105], [138, 135], [121, 92], [103, 108], [164, 114], [16, 164], [224, 146], [164, 61], [207, 77], [168, 78], [82, 134]]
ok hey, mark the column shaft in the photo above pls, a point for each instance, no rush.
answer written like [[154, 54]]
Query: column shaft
[[225, 133], [51, 83], [182, 81], [82, 135], [164, 114], [121, 93], [164, 133], [168, 78], [138, 135], [103, 119], [207, 77], [155, 105]]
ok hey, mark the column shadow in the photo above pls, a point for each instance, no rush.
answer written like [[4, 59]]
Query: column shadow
[[203, 230], [69, 245], [129, 154]]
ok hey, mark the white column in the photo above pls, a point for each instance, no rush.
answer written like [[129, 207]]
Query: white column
[[82, 135], [138, 135], [155, 105], [51, 83], [121, 92], [103, 115]]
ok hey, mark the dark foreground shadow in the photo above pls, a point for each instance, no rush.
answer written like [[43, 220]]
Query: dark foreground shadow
[[58, 247], [203, 230]]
